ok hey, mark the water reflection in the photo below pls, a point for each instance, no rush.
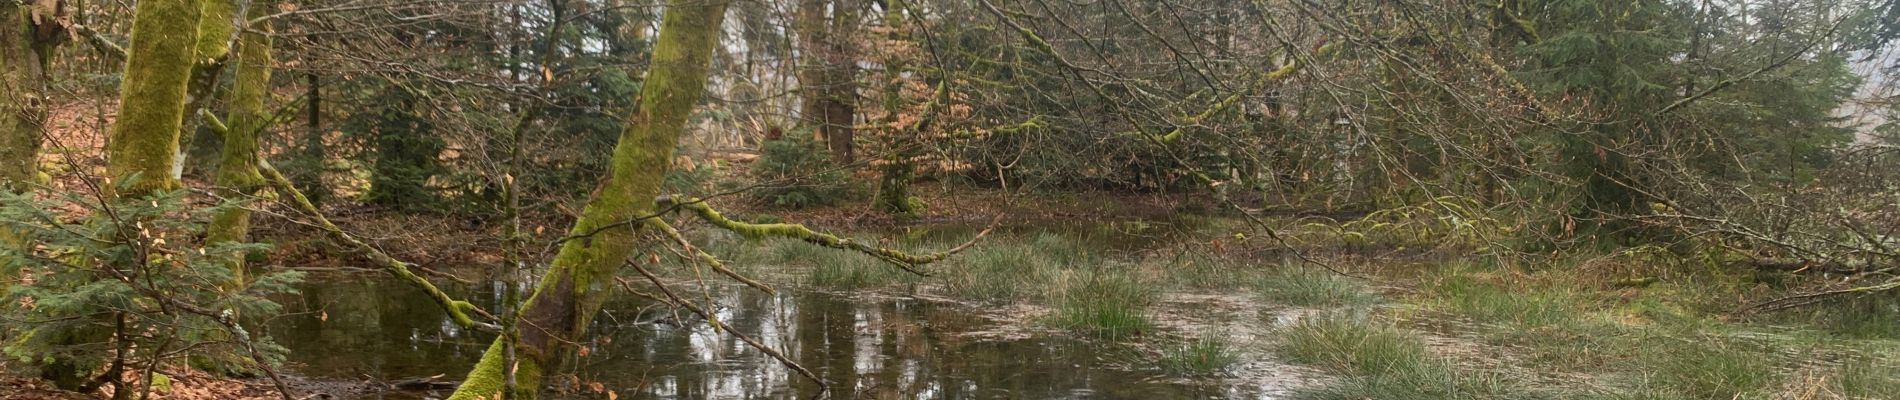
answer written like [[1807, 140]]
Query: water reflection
[[355, 327]]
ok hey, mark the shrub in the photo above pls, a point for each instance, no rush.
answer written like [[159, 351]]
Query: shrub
[[136, 277], [795, 172]]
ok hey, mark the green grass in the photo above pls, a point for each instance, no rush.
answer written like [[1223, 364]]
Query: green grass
[[1377, 360], [1205, 355], [1002, 271], [1352, 344], [1196, 271], [1870, 316], [1712, 368], [1525, 306], [1107, 305], [1311, 288], [856, 271], [1867, 377], [1440, 382]]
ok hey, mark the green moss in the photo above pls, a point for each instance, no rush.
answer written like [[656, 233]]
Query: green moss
[[215, 27], [21, 77], [237, 166], [487, 378], [144, 140]]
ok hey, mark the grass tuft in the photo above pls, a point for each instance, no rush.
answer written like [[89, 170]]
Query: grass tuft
[[1206, 355], [1381, 361], [1873, 316], [1107, 305], [1352, 344], [1199, 271], [1307, 287], [1002, 272]]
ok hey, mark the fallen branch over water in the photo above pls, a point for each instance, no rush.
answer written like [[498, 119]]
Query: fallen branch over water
[[459, 310]]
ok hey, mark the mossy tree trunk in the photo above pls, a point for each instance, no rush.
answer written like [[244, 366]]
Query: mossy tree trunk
[[25, 44], [144, 141], [576, 283], [237, 175], [217, 31]]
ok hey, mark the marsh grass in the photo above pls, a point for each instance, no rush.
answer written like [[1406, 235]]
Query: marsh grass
[[1106, 305], [1378, 360], [1192, 270], [1668, 337], [1352, 343], [1441, 382], [1205, 355], [856, 272], [1013, 268], [1311, 288]]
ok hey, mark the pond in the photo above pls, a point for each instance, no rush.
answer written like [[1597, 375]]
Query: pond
[[356, 327]]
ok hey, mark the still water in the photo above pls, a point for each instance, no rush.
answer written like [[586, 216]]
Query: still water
[[356, 327]]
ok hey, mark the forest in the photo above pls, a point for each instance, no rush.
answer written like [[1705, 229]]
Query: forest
[[949, 199]]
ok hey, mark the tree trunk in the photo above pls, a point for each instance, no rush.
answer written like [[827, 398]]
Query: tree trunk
[[24, 47], [575, 285], [310, 160], [828, 79], [237, 166], [217, 29], [893, 189], [841, 82], [812, 92], [158, 65]]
